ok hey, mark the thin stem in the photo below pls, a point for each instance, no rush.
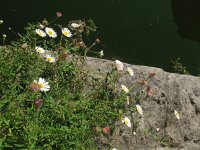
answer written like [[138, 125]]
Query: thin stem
[[53, 20], [60, 43]]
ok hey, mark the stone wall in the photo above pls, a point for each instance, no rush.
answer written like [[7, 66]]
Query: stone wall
[[158, 128]]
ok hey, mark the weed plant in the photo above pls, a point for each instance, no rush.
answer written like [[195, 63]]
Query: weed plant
[[42, 100]]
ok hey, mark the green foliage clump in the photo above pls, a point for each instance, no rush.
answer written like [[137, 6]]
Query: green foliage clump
[[178, 67], [66, 117]]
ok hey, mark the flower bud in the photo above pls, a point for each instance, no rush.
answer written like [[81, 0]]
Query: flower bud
[[151, 75], [1, 21], [97, 41], [45, 22], [38, 103], [41, 26], [24, 45], [149, 91], [143, 82], [82, 45], [59, 14], [106, 130]]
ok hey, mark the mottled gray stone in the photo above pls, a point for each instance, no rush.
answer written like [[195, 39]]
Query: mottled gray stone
[[170, 92]]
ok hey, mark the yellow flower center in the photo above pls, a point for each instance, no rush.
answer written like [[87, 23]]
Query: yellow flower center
[[50, 33], [40, 33], [126, 122], [66, 33], [49, 59], [41, 85]]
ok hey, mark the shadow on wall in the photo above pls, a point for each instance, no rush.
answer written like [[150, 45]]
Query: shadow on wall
[[186, 14]]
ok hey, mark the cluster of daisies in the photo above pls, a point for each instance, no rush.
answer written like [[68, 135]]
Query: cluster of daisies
[[48, 57], [51, 33], [42, 85], [120, 67], [126, 120]]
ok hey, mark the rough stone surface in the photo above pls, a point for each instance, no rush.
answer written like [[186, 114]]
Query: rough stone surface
[[170, 92]]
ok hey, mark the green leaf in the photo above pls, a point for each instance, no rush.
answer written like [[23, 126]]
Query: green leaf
[[19, 145]]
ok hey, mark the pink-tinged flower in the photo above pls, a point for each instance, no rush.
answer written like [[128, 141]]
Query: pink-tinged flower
[[149, 91], [58, 14], [38, 103], [106, 130]]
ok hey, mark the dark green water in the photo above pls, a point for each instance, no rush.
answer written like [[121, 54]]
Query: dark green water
[[143, 32]]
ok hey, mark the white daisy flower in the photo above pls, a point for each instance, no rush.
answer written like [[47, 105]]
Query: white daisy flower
[[176, 114], [50, 32], [126, 121], [130, 71], [124, 88], [40, 33], [43, 85], [101, 53], [114, 149], [139, 109], [75, 25], [119, 65], [39, 49], [66, 32], [49, 58]]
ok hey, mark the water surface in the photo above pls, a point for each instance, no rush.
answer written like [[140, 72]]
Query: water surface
[[139, 32]]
